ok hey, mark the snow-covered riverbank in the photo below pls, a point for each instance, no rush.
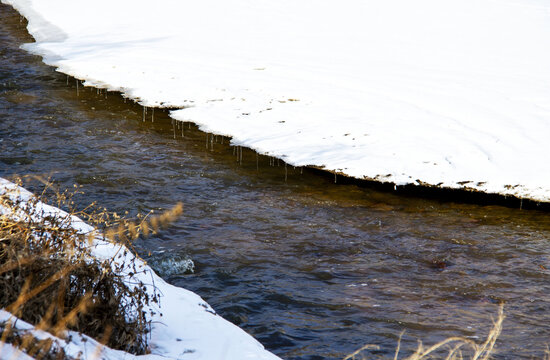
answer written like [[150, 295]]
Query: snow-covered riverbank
[[187, 329], [449, 93]]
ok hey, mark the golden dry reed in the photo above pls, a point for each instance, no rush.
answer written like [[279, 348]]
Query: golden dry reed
[[50, 278], [452, 348]]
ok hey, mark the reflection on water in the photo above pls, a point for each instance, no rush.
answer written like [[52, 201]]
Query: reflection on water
[[312, 269]]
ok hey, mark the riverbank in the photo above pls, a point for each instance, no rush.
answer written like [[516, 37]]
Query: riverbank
[[446, 109], [182, 323]]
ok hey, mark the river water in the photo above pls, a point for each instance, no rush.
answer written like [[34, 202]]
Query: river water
[[312, 269]]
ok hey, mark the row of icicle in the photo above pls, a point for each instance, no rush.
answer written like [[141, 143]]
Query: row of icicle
[[210, 138]]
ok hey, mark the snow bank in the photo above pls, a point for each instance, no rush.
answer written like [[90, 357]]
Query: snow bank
[[7, 351], [184, 327], [452, 93]]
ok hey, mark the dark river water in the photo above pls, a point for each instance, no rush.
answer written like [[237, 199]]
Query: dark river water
[[312, 269]]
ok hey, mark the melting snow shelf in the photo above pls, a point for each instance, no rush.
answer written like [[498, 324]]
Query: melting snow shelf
[[449, 93]]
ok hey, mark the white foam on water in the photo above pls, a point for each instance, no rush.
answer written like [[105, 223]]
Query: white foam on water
[[170, 265]]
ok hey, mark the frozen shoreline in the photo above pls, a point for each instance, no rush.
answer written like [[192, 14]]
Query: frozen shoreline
[[450, 93], [188, 325]]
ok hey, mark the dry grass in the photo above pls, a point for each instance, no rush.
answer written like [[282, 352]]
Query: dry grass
[[452, 348], [50, 278]]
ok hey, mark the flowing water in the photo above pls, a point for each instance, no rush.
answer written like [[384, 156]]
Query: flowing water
[[311, 268]]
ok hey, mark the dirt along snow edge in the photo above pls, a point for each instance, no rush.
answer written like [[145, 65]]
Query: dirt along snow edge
[[446, 93], [184, 325]]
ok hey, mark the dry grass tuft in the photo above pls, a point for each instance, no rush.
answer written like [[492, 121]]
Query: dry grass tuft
[[453, 348], [50, 278]]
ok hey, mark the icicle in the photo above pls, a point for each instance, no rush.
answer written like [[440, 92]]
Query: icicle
[[182, 130], [241, 159], [212, 143], [206, 141], [335, 178], [286, 173], [257, 164], [233, 150], [173, 126], [76, 87], [153, 117], [144, 114]]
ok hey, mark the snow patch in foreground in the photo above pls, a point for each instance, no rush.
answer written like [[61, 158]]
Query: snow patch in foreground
[[449, 93], [183, 327]]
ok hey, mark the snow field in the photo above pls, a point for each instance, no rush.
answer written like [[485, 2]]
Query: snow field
[[449, 93]]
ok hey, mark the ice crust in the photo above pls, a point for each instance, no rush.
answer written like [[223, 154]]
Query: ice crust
[[450, 93]]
